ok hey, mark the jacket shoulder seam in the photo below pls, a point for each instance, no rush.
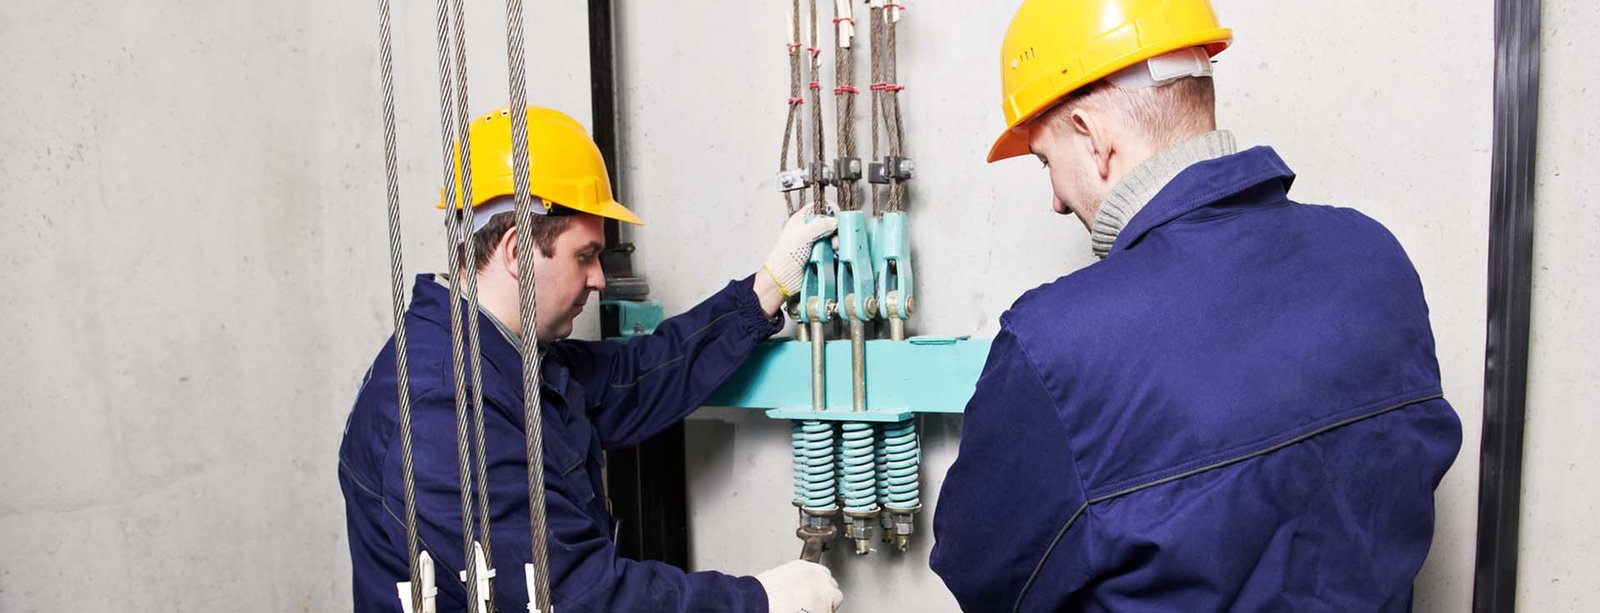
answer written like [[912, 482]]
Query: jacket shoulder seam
[[1260, 447]]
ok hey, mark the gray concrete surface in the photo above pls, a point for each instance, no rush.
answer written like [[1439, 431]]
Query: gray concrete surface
[[195, 273]]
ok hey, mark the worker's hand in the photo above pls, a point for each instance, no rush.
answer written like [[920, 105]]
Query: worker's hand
[[785, 268], [801, 587]]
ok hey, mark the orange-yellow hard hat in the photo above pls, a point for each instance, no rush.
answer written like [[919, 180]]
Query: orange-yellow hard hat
[[1055, 47], [564, 165]]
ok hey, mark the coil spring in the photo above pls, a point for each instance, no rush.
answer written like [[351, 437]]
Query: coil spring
[[813, 468], [903, 452], [880, 456], [798, 461], [858, 483]]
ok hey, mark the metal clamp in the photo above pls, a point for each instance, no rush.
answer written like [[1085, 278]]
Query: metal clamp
[[890, 169], [793, 180]]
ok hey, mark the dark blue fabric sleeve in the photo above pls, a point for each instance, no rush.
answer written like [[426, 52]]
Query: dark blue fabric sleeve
[[1011, 491], [586, 572], [639, 388]]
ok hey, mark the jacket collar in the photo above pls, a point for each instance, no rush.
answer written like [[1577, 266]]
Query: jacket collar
[[1207, 183], [428, 299]]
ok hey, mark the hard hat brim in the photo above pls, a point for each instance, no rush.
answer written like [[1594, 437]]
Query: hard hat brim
[[1014, 142], [614, 210]]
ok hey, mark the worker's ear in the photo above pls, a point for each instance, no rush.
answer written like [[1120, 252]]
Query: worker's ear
[[505, 252], [1096, 130]]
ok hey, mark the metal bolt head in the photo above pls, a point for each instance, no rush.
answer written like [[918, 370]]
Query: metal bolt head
[[872, 304], [911, 305], [907, 167]]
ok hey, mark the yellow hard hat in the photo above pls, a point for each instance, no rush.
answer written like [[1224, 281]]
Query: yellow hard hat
[[1055, 47], [564, 165]]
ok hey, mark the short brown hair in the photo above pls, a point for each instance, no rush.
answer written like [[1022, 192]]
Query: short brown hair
[[545, 229], [1166, 113]]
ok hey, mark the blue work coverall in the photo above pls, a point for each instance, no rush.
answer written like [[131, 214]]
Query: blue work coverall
[[1238, 409], [596, 395]]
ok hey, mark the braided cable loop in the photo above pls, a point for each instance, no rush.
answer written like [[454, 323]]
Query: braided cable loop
[[794, 122], [844, 71], [817, 143], [897, 132], [875, 33], [397, 295]]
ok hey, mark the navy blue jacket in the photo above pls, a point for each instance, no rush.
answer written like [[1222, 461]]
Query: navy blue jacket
[[595, 395], [1238, 409]]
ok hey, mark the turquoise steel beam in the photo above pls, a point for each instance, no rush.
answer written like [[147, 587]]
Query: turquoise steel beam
[[919, 375]]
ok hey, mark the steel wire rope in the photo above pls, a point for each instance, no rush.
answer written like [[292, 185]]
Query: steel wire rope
[[516, 53], [397, 299], [794, 122], [458, 230], [469, 275]]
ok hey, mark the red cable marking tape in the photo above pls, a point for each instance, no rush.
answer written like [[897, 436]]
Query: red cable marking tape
[[845, 89]]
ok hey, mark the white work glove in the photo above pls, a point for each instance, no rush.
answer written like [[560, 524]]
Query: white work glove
[[801, 587], [787, 262]]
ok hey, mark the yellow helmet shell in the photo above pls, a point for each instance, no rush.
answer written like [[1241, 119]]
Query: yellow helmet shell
[[1055, 47], [565, 166]]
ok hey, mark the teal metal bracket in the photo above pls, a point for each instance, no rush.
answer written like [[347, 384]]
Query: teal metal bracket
[[892, 256], [919, 375], [857, 288], [819, 285], [635, 318]]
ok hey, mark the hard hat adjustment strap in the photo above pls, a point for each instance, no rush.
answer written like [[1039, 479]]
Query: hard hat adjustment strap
[[484, 213], [1187, 62]]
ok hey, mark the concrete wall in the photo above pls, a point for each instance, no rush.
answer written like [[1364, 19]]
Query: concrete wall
[[1559, 536], [194, 267]]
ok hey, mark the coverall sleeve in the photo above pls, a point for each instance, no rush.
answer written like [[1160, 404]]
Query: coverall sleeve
[[1012, 491], [639, 388], [586, 572]]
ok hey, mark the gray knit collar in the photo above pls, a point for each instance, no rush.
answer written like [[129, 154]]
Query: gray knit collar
[[505, 332], [1141, 186]]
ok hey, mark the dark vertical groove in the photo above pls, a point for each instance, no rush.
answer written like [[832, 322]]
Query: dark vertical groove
[[1516, 106]]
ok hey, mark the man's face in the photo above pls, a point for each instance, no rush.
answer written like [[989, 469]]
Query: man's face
[[564, 281], [1075, 182]]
